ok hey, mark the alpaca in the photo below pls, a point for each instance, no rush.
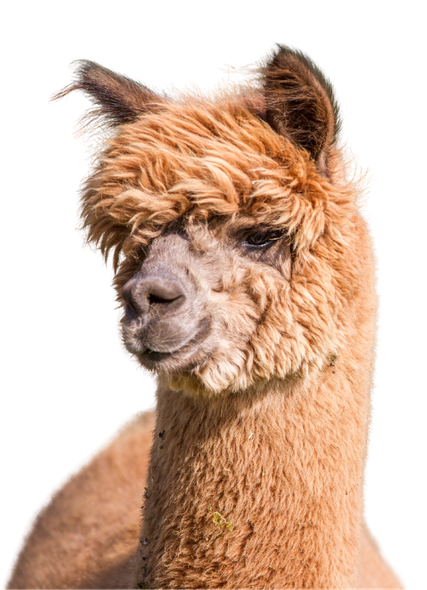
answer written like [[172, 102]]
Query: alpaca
[[246, 275]]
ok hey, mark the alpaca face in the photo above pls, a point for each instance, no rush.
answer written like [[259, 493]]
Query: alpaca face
[[231, 225], [194, 307]]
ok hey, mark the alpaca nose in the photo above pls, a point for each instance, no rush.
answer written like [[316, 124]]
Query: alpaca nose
[[159, 294]]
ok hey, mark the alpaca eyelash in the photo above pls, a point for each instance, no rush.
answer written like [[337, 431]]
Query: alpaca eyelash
[[263, 239]]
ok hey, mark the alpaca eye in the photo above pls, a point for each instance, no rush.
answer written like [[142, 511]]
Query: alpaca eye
[[263, 239]]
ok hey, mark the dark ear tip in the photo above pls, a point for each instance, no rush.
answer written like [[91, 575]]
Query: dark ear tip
[[81, 65], [74, 62]]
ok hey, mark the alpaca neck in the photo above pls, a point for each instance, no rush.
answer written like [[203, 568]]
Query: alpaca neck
[[258, 492]]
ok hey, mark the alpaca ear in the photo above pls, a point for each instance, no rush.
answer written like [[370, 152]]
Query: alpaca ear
[[300, 103], [117, 99]]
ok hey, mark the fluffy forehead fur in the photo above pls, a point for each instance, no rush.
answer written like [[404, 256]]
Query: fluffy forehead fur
[[204, 161], [217, 169]]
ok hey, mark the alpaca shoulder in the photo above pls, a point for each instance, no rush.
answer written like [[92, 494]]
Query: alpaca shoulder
[[88, 534]]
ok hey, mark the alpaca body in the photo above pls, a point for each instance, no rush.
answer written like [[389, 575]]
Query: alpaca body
[[247, 279], [88, 536]]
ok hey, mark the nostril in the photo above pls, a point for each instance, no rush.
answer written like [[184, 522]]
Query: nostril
[[153, 298], [162, 292]]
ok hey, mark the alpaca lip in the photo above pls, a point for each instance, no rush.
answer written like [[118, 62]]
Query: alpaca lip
[[151, 358], [154, 355]]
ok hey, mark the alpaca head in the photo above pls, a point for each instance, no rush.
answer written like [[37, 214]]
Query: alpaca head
[[231, 223]]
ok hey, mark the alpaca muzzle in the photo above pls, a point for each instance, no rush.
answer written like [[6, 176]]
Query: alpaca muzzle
[[160, 317]]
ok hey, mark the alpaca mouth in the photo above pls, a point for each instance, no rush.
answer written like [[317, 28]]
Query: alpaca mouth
[[151, 358], [155, 355]]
